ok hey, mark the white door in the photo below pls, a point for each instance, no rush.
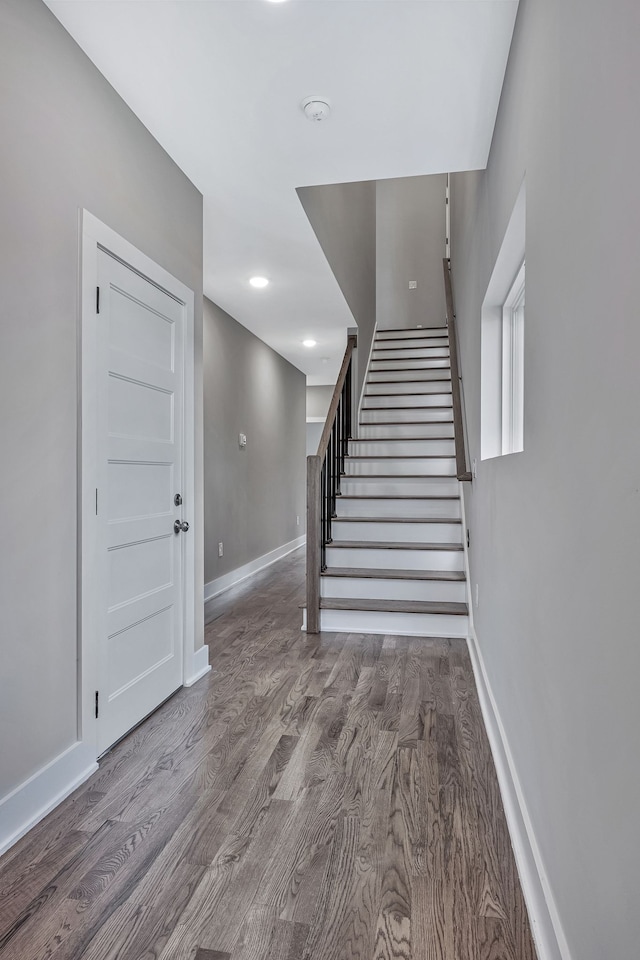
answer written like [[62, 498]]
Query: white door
[[140, 367]]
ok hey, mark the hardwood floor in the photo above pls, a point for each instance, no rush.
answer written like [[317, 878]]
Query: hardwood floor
[[326, 797]]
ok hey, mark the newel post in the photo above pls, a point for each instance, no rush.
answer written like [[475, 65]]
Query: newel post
[[314, 534]]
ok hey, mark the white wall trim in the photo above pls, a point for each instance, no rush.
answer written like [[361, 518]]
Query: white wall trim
[[215, 587], [30, 802], [201, 666], [546, 927]]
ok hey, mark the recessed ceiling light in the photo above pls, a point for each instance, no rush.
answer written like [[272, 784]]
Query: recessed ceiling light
[[259, 282], [308, 343], [275, 1]]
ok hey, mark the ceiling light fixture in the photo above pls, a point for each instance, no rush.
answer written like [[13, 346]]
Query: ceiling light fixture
[[275, 1], [316, 108], [259, 282], [309, 343]]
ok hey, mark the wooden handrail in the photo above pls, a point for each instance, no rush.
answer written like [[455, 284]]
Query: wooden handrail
[[321, 481], [462, 470], [335, 399]]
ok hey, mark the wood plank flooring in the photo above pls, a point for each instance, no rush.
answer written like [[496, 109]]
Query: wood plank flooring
[[326, 797]]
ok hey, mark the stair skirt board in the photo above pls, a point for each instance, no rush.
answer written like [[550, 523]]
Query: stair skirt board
[[400, 624], [398, 447], [388, 529], [398, 507], [397, 558], [373, 588], [440, 414]]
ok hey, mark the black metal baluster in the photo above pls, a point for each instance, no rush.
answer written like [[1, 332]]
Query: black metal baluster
[[349, 401], [330, 487], [323, 522], [339, 448]]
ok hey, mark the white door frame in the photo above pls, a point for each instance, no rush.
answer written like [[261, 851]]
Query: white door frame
[[97, 236]]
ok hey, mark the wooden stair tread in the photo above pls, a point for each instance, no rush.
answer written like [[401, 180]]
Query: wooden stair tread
[[412, 346], [395, 606], [406, 423], [371, 573], [398, 456], [400, 439], [375, 383], [392, 545], [397, 520], [399, 496], [416, 334], [399, 476], [413, 406], [414, 393]]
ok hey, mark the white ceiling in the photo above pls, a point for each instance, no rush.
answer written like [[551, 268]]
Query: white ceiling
[[414, 87]]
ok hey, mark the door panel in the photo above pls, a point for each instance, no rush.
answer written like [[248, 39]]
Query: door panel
[[140, 363]]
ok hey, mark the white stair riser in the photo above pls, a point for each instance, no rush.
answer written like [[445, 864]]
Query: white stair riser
[[402, 486], [402, 448], [378, 558], [398, 508], [413, 415], [396, 532], [402, 389], [441, 399], [401, 624], [400, 376], [403, 349], [409, 333], [422, 467], [373, 431], [358, 588], [435, 352], [390, 365]]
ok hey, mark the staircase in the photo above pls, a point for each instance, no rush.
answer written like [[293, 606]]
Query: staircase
[[396, 560]]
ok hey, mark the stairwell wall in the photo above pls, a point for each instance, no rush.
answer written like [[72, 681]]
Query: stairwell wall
[[252, 495], [555, 529], [343, 217], [68, 142], [410, 245]]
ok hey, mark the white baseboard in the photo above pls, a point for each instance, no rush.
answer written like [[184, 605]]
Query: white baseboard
[[548, 935], [545, 922], [215, 587], [36, 797], [199, 666]]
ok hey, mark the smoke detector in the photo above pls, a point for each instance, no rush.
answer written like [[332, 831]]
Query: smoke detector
[[316, 108]]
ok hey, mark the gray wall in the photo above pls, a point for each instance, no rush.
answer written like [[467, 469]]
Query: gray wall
[[318, 400], [343, 217], [410, 242], [252, 495], [555, 531], [68, 142]]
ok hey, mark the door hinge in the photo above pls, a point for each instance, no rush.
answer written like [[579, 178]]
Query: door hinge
[[97, 696], [97, 299]]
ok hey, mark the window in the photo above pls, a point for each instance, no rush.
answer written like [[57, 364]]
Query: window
[[513, 367], [502, 344]]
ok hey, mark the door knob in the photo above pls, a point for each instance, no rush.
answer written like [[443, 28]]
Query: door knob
[[180, 525]]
